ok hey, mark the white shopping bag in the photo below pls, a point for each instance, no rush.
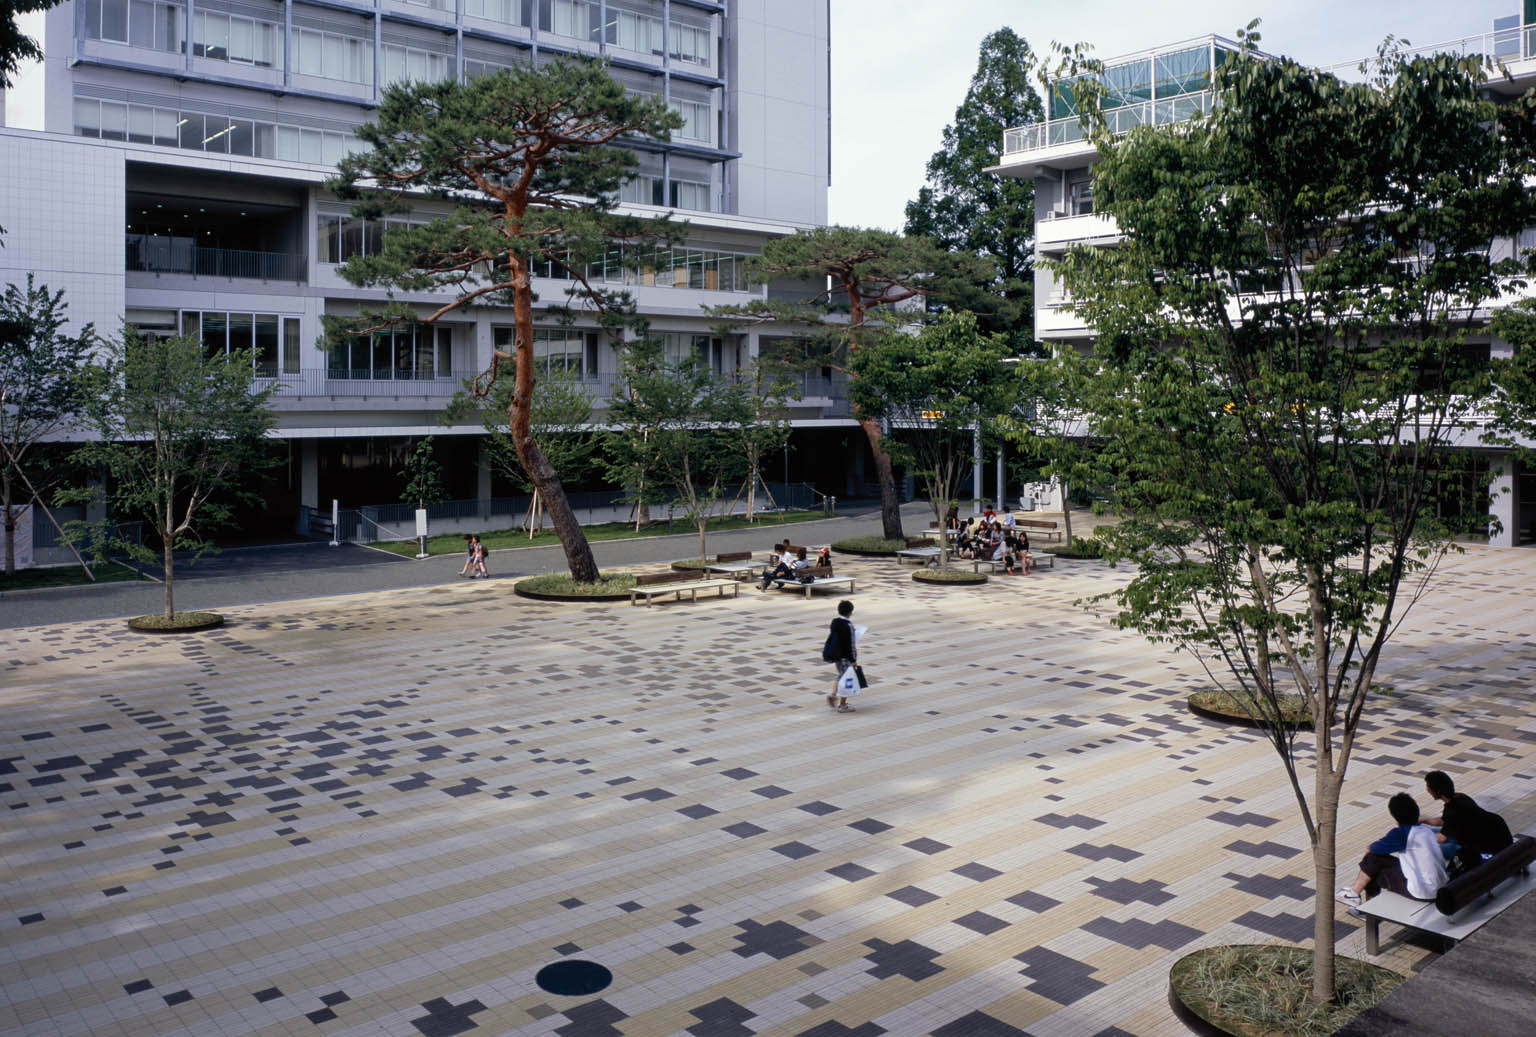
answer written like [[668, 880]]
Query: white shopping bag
[[848, 684]]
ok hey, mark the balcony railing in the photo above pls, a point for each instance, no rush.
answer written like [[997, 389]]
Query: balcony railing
[[1515, 43], [155, 254]]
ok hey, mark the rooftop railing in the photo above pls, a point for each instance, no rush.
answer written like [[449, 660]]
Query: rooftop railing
[[1503, 45], [157, 254]]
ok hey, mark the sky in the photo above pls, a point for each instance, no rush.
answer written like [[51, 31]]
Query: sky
[[901, 67]]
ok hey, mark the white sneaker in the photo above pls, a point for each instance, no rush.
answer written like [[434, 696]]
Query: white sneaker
[[1346, 895]]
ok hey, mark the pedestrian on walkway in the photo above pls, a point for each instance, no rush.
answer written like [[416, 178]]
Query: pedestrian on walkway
[[841, 650], [480, 569], [469, 555]]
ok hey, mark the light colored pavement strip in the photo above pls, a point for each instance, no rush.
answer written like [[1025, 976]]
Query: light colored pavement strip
[[384, 812]]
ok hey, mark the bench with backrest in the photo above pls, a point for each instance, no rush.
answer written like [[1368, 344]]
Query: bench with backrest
[[1039, 527], [821, 576], [650, 586], [736, 565], [1462, 905]]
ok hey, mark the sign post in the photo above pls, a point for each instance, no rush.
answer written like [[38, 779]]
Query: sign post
[[421, 532], [335, 522]]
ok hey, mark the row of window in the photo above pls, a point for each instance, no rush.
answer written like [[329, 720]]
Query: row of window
[[195, 131], [339, 238], [408, 352], [648, 190], [274, 337]]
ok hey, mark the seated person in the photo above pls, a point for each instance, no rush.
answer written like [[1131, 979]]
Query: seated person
[[784, 565], [1469, 834], [1008, 520], [1020, 545], [824, 558], [790, 570], [1407, 860], [952, 518]]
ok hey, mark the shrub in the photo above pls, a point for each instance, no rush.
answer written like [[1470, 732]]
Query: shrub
[[869, 545]]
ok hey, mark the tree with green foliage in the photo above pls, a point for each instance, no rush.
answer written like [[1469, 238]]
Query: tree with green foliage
[[630, 454], [179, 434], [691, 452], [15, 45], [936, 388], [850, 277], [1283, 333], [761, 428], [532, 159], [1512, 411], [422, 475], [968, 210], [40, 367], [1048, 426]]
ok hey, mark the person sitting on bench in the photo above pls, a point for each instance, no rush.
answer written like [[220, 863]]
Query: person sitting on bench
[[788, 568], [1407, 860], [1469, 834]]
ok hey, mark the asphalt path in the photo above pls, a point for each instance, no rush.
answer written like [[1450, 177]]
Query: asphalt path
[[312, 569]]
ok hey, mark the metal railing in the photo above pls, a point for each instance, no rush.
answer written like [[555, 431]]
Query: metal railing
[[156, 254], [1514, 43]]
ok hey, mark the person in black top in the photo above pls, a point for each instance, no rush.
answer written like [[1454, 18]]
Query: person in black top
[[1468, 833], [840, 645]]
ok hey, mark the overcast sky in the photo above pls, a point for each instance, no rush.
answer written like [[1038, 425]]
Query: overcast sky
[[901, 67]]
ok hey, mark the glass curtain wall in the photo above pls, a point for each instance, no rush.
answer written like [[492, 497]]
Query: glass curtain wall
[[407, 352], [273, 336]]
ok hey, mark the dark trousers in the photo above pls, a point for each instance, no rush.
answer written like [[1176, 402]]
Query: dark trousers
[[1385, 874]]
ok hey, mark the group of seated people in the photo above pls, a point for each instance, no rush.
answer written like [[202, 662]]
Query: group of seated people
[[988, 537], [1413, 859], [794, 565]]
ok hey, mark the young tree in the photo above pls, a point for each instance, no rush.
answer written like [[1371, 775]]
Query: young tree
[[1049, 423], [692, 447], [531, 158], [966, 209], [423, 476], [40, 366], [854, 277], [636, 411], [1284, 331], [937, 388], [761, 427], [179, 434]]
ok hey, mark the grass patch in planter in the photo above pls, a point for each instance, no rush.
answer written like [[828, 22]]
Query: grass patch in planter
[[869, 545], [179, 623], [1253, 990], [949, 577], [561, 587], [1219, 704]]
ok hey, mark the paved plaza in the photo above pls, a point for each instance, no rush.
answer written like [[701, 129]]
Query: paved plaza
[[384, 813]]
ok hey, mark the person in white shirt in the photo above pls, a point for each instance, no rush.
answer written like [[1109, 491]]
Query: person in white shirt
[[789, 563], [1406, 861]]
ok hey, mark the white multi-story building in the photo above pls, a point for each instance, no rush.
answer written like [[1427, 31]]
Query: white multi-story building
[[173, 179], [1169, 84]]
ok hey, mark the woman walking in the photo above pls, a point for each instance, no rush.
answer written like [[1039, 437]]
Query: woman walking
[[841, 651]]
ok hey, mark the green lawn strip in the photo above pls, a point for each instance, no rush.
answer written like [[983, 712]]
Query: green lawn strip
[[65, 576], [503, 539]]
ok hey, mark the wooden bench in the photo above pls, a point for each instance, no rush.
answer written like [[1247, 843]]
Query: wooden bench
[[821, 576], [1040, 527], [735, 565], [1462, 905], [652, 585]]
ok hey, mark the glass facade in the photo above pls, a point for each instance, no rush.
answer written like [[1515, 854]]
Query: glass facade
[[556, 349], [273, 336], [407, 352], [197, 131]]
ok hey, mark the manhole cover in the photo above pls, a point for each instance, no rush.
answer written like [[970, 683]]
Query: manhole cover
[[573, 978]]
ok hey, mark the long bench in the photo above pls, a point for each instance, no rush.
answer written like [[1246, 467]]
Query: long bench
[[650, 586], [821, 576], [736, 565], [1040, 527], [1462, 905]]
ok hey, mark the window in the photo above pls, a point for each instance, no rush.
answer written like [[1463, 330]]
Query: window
[[633, 31], [1080, 198], [707, 352], [193, 131], [642, 190], [557, 349], [223, 333], [245, 41], [331, 56], [507, 12], [686, 195], [339, 238], [151, 24], [690, 43], [575, 18], [408, 352], [696, 121], [402, 64], [475, 69]]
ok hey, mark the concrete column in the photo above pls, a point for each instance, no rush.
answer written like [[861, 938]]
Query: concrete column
[[1503, 502], [977, 471], [309, 473], [1002, 481]]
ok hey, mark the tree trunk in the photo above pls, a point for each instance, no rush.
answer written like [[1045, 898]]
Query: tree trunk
[[1066, 517], [890, 505], [10, 520], [168, 560], [1324, 866]]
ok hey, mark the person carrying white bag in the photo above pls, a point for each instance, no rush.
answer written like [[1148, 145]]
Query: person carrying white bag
[[841, 650]]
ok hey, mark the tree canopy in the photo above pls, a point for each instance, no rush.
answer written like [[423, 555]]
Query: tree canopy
[[532, 160], [1286, 367], [964, 208]]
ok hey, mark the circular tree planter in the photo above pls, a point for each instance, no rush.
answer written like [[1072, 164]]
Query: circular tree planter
[[1215, 704], [690, 565], [180, 623], [1261, 990], [560, 587], [949, 577]]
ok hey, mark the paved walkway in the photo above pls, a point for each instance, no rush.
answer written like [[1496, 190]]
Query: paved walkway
[[384, 812]]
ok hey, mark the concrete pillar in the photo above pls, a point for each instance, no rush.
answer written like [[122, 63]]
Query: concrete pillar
[[1503, 502], [976, 471], [309, 473], [1002, 482]]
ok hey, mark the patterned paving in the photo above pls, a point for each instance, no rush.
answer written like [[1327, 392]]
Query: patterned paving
[[383, 814]]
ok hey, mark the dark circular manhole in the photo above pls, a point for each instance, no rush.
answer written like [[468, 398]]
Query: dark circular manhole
[[573, 978]]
